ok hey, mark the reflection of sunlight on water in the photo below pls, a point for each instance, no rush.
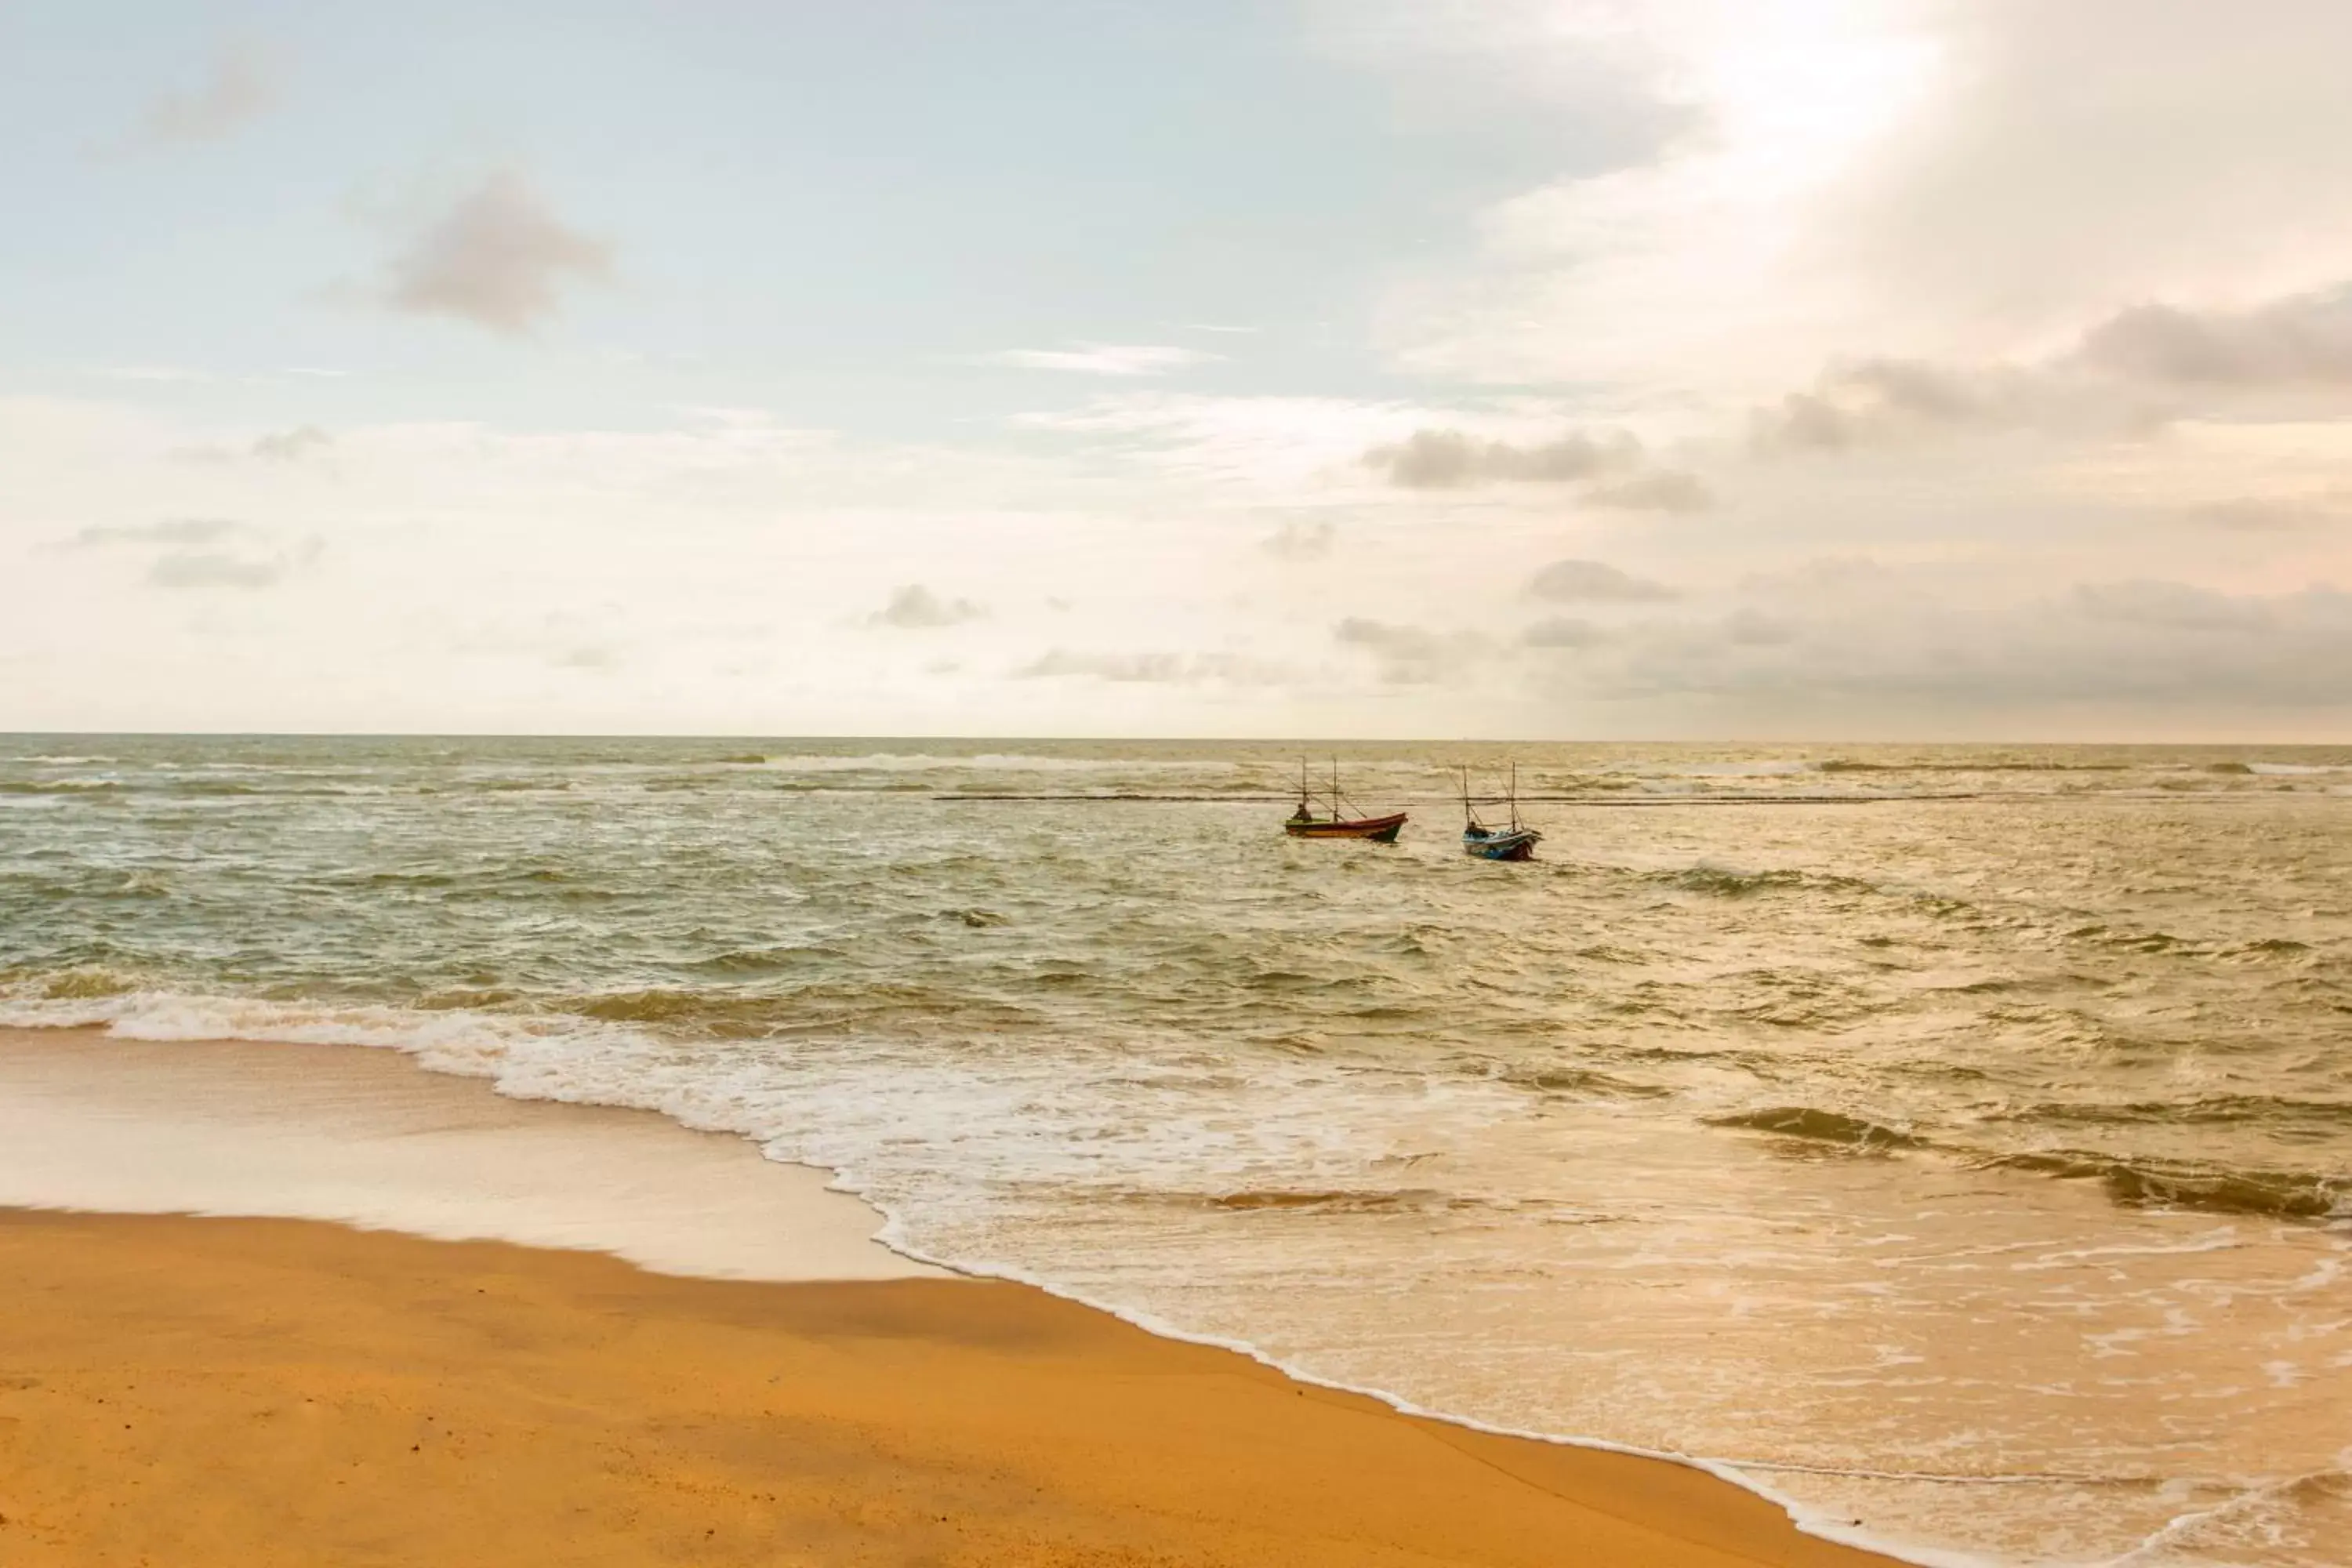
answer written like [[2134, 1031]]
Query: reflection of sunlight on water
[[1895, 1150]]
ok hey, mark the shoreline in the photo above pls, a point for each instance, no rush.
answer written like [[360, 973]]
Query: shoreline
[[222, 1390], [100, 1094], [375, 1138]]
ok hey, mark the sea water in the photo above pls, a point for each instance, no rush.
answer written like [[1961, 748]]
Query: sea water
[[1954, 1142]]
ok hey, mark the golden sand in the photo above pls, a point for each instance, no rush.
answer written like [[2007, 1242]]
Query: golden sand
[[186, 1393]]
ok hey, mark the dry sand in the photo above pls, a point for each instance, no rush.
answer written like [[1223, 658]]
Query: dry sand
[[197, 1392]]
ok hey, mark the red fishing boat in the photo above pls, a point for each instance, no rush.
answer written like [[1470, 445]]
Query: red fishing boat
[[1306, 822]]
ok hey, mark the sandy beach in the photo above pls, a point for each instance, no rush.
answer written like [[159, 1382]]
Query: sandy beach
[[196, 1390]]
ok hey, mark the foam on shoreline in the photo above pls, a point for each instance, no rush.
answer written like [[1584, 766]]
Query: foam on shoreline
[[168, 1124]]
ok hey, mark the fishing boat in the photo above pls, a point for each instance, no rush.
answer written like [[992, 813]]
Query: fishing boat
[[1510, 841], [1335, 823]]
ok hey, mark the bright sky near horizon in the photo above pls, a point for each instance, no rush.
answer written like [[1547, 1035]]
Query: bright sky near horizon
[[1553, 368]]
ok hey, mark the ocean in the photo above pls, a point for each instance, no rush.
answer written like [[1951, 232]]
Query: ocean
[[1952, 1142]]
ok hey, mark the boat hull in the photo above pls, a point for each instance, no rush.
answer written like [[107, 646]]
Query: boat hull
[[1519, 845], [1377, 829]]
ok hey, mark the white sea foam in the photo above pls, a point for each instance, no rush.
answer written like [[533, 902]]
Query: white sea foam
[[995, 1168], [374, 1152], [1307, 1099]]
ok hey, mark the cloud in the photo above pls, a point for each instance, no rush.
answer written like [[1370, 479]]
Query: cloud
[[239, 87], [1296, 540], [497, 258], [172, 530], [1105, 359], [1283, 448], [914, 607], [214, 569], [240, 556], [1594, 582], [1409, 655], [1749, 627], [1911, 647], [1911, 176], [1452, 459], [154, 373], [1154, 668], [1860, 404], [290, 446], [2174, 606], [2306, 338], [1663, 489], [2129, 373], [2272, 514], [1563, 631]]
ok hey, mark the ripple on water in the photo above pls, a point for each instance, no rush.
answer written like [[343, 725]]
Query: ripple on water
[[1754, 1131]]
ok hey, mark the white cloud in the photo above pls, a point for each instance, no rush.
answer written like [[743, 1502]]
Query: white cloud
[[237, 88], [214, 569], [1563, 632], [1449, 459], [163, 373], [1661, 489], [1897, 178], [1105, 359], [1154, 668], [1410, 655], [202, 551], [1298, 540], [499, 258], [2305, 340], [1877, 649], [1595, 582], [914, 607], [172, 530], [291, 445]]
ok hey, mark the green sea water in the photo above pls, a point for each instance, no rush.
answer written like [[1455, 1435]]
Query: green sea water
[[1953, 1142]]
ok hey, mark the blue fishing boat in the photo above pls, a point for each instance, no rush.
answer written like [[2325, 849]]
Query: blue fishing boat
[[1511, 839]]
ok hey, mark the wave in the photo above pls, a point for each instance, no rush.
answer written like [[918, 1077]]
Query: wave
[[2181, 1185], [1723, 881], [1730, 882], [1584, 1081], [1823, 1126], [985, 761], [69, 985], [1338, 1199], [534, 1056], [2269, 947], [2222, 1109], [1986, 766], [2132, 1181]]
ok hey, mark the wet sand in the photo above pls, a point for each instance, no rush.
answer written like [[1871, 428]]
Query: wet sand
[[365, 1137], [200, 1391]]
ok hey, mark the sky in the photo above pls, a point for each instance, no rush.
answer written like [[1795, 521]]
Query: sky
[[1554, 369]]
